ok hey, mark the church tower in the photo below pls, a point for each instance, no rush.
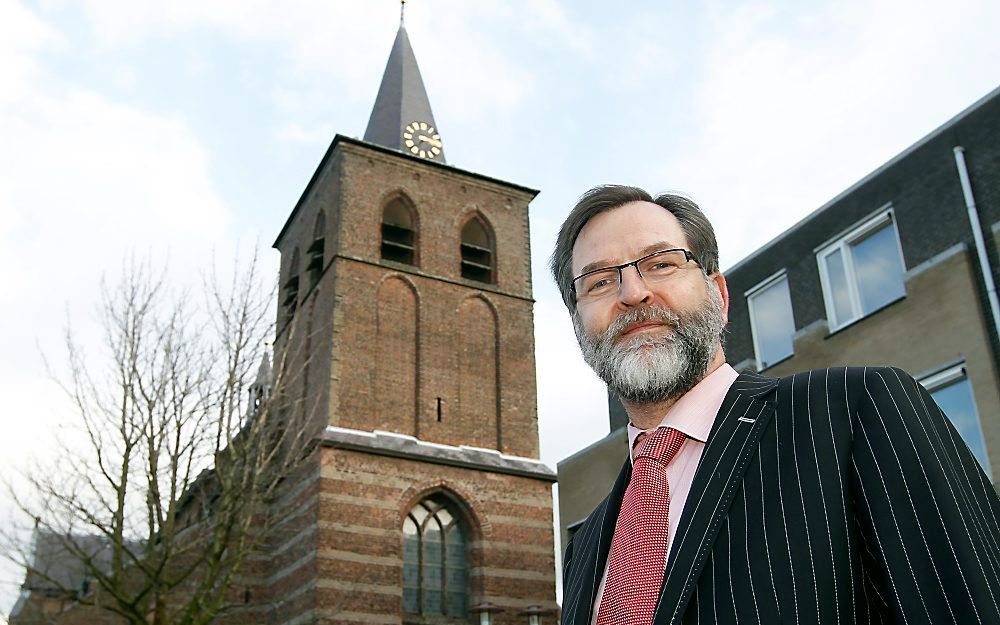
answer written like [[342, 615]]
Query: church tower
[[405, 308]]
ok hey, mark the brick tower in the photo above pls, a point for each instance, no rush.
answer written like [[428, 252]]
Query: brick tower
[[406, 301]]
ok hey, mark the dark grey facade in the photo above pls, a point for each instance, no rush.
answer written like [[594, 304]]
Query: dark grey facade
[[936, 318], [923, 187], [887, 273]]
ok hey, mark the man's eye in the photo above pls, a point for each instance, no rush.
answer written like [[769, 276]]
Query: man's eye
[[600, 284], [663, 266]]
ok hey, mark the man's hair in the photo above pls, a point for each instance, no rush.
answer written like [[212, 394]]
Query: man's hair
[[697, 230]]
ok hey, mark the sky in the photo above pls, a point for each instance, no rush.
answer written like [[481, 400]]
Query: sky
[[186, 131]]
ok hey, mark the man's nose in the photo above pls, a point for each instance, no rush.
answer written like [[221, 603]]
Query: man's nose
[[632, 289]]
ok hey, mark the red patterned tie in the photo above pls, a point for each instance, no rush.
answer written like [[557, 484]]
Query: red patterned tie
[[639, 549]]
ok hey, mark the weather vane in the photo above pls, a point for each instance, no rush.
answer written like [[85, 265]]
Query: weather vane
[[402, 8]]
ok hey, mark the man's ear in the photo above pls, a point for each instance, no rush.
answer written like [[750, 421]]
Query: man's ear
[[718, 281]]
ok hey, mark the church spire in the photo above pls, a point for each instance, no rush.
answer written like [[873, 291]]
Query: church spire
[[401, 118]]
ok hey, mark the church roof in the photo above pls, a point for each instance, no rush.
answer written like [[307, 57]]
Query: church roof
[[264, 376], [402, 106]]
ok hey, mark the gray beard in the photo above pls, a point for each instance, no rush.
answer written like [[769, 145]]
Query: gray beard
[[653, 369]]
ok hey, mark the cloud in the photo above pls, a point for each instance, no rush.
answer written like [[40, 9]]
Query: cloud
[[834, 85], [22, 35], [83, 180]]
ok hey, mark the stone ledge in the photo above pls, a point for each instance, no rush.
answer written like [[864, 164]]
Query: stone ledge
[[412, 448]]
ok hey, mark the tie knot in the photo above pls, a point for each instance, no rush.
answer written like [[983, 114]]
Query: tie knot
[[660, 444]]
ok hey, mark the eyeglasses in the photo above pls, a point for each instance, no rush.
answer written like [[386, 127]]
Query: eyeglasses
[[653, 268]]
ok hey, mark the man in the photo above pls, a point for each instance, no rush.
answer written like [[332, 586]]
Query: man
[[836, 496]]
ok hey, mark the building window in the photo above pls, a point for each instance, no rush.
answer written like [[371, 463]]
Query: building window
[[952, 392], [477, 251], [317, 250], [435, 559], [290, 289], [862, 271], [399, 234], [771, 321]]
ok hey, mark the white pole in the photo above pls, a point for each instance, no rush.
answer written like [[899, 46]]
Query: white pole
[[977, 234]]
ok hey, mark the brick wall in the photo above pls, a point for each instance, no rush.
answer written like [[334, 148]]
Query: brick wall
[[363, 501], [413, 349]]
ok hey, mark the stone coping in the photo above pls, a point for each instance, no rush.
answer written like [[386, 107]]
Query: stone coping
[[409, 447]]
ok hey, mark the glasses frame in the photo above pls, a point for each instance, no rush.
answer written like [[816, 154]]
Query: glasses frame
[[688, 257]]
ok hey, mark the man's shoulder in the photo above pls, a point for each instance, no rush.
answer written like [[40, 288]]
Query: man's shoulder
[[849, 375], [842, 386]]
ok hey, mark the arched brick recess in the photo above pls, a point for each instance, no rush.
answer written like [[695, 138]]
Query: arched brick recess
[[394, 386], [478, 390]]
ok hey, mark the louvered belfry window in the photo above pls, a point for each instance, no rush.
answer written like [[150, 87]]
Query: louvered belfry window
[[435, 559], [477, 251], [399, 236], [317, 249], [290, 289]]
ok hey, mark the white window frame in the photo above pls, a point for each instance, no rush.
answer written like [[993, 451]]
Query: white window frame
[[759, 288], [843, 244], [947, 376]]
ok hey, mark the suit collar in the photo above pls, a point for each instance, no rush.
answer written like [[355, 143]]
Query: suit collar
[[745, 413]]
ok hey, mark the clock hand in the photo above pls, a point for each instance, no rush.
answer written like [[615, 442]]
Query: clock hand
[[436, 144]]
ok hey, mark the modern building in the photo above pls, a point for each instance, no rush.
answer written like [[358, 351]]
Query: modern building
[[406, 304], [899, 269]]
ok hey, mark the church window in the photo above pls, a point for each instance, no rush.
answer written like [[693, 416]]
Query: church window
[[317, 249], [477, 251], [290, 289], [398, 233], [435, 559]]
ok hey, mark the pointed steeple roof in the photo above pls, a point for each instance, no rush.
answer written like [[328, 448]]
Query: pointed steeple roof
[[402, 106], [264, 379]]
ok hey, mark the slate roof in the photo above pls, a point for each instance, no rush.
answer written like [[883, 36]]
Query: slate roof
[[56, 569], [401, 99]]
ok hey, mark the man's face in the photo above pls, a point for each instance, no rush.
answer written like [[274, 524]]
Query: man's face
[[648, 342]]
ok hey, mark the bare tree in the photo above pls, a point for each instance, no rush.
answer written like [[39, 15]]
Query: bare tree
[[187, 433]]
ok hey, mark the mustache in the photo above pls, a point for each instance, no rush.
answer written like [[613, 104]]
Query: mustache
[[642, 315]]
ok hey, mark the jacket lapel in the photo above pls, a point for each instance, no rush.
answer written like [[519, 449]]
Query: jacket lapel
[[746, 410], [591, 545]]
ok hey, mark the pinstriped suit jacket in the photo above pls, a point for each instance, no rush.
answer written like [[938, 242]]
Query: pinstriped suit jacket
[[837, 496]]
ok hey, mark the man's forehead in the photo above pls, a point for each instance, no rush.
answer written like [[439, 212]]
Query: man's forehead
[[624, 233]]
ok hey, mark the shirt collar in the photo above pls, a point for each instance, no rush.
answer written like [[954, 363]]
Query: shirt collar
[[694, 413]]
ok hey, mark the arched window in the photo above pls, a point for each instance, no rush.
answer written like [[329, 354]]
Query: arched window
[[435, 559], [477, 251], [399, 236], [290, 289], [317, 250]]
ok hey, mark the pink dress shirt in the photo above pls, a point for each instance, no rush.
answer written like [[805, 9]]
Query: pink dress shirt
[[693, 414]]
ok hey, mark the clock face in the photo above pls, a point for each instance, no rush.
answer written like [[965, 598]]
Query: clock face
[[422, 140]]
